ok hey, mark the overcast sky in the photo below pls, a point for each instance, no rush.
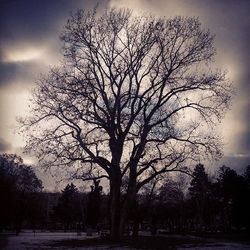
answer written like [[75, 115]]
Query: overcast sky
[[29, 44]]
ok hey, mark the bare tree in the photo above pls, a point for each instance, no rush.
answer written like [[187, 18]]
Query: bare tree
[[134, 98]]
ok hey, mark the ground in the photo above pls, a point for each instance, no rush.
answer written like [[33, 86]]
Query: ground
[[29, 240]]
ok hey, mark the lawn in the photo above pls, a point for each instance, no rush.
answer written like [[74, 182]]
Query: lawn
[[66, 241]]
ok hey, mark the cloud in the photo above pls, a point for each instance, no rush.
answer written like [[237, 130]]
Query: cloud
[[7, 72], [32, 20], [16, 75], [35, 21], [29, 38], [4, 145], [244, 137], [237, 162]]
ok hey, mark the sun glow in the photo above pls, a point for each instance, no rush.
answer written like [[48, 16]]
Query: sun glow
[[22, 55], [13, 105]]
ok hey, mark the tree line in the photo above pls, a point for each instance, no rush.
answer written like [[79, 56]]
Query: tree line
[[178, 204]]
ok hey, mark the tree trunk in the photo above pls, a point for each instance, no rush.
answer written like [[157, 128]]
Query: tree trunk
[[136, 227], [115, 193], [115, 188], [123, 219], [119, 214], [128, 203]]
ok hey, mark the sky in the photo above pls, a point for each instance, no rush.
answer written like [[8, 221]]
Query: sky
[[29, 45]]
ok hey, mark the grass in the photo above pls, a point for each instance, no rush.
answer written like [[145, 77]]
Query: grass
[[241, 237], [3, 241], [141, 242]]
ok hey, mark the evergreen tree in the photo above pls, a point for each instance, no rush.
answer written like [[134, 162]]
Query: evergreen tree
[[233, 192], [199, 191], [200, 184], [69, 208], [247, 176], [247, 198]]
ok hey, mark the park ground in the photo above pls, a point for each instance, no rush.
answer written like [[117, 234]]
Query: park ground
[[29, 240]]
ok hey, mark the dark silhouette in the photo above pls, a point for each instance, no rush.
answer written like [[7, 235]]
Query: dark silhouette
[[247, 198], [69, 210], [19, 187], [121, 105], [93, 207], [234, 195], [203, 205], [199, 191]]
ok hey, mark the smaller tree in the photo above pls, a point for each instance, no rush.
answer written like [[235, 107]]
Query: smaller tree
[[233, 193], [247, 176], [247, 179], [144, 208], [170, 203], [69, 208], [199, 191], [18, 186]]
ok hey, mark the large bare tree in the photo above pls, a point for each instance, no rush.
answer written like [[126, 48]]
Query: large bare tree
[[134, 98]]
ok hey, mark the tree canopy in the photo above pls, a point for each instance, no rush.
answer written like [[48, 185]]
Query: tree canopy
[[18, 184], [134, 98]]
